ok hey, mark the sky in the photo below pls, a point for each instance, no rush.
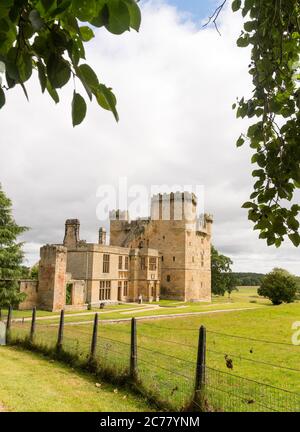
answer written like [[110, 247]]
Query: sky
[[175, 83]]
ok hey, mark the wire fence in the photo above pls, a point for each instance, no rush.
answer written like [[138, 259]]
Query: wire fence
[[175, 367]]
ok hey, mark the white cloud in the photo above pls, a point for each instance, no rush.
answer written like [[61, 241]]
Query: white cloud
[[175, 85]]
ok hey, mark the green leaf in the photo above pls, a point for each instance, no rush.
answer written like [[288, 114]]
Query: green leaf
[[58, 71], [107, 100], [243, 41], [84, 10], [52, 92], [89, 76], [119, 17], [2, 98], [236, 4], [42, 75], [240, 141], [47, 4], [86, 33], [248, 204], [295, 239], [101, 17], [78, 109], [36, 20], [135, 14], [24, 64]]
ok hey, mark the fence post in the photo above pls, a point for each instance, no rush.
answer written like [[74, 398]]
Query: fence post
[[94, 339], [60, 331], [32, 328], [8, 324], [133, 350], [200, 369]]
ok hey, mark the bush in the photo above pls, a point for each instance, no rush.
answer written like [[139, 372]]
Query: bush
[[279, 286]]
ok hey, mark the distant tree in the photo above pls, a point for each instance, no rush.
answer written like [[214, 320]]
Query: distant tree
[[11, 255], [248, 278], [34, 272], [223, 279], [279, 286]]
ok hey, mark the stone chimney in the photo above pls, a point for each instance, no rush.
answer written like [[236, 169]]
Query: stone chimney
[[72, 227], [102, 236]]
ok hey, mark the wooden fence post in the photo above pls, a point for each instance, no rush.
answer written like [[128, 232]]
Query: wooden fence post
[[94, 339], [8, 324], [32, 328], [60, 331], [133, 350], [200, 369]]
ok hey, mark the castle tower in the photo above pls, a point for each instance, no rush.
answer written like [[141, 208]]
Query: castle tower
[[72, 227], [119, 221], [52, 278], [102, 236]]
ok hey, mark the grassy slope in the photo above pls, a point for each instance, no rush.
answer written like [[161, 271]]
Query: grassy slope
[[178, 337], [29, 382]]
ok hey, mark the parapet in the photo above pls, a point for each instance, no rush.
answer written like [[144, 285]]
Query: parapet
[[174, 206], [122, 215]]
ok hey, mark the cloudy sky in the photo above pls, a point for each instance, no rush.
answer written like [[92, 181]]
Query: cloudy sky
[[175, 83]]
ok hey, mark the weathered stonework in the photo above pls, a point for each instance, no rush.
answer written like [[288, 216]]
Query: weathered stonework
[[166, 255]]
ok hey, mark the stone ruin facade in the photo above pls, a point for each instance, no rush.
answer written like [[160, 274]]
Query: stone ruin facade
[[166, 255]]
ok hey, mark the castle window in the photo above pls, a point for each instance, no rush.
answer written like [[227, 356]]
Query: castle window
[[125, 291], [174, 259], [143, 263], [164, 237], [168, 278], [105, 263], [120, 262], [162, 258], [105, 290], [152, 291], [193, 259], [126, 262], [152, 263]]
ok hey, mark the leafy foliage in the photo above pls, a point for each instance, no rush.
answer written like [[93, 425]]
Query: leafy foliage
[[11, 255], [48, 36], [248, 278], [272, 29], [222, 278], [279, 286]]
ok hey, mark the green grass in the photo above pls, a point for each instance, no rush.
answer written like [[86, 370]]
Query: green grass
[[159, 341], [30, 382]]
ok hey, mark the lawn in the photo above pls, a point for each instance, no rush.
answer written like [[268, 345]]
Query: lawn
[[167, 348], [30, 382]]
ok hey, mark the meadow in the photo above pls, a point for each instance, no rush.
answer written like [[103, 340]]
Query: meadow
[[255, 340]]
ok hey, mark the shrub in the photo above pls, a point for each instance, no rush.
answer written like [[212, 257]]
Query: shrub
[[279, 286]]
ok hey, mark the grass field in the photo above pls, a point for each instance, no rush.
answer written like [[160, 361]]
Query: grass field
[[167, 347], [30, 382]]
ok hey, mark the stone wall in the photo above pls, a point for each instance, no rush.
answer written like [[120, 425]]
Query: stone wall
[[52, 278], [30, 288]]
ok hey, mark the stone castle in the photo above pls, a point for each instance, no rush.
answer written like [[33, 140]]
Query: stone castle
[[164, 256]]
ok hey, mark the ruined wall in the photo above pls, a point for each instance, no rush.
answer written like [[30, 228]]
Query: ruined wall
[[30, 288], [52, 278]]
